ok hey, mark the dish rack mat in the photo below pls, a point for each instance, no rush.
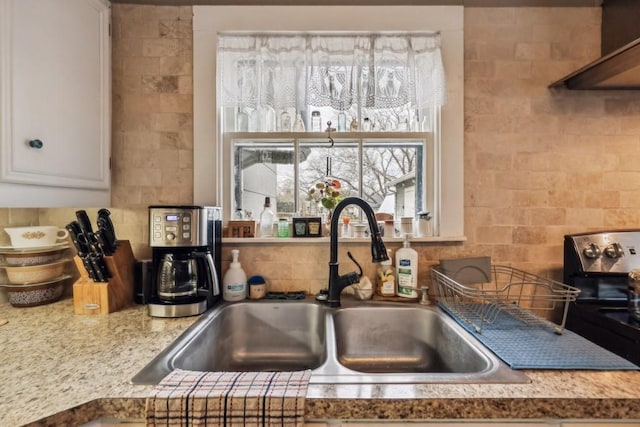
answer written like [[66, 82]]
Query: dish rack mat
[[525, 296]]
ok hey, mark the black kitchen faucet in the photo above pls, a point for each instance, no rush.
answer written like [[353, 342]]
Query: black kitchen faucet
[[378, 251]]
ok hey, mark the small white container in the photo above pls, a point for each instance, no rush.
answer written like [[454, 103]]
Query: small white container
[[359, 230], [406, 225], [234, 283]]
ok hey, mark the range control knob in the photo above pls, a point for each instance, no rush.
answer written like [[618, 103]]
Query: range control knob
[[592, 251], [171, 236], [614, 250]]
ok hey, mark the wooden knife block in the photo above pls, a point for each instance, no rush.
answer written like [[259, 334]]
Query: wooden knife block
[[91, 297]]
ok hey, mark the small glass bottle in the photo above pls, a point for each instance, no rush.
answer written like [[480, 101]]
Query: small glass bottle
[[366, 125], [285, 121], [342, 121], [316, 121], [254, 121], [268, 119], [346, 229], [353, 126], [242, 121], [298, 124], [266, 219]]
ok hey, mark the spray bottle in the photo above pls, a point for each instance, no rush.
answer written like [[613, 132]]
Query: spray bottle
[[407, 270]]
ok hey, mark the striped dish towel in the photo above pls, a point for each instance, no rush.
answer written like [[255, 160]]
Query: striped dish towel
[[192, 398]]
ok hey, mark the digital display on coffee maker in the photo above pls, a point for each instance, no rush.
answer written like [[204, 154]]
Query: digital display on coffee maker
[[173, 217]]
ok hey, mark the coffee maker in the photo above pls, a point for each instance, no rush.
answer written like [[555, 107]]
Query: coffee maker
[[185, 244]]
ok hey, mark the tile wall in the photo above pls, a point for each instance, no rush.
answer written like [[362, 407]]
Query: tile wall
[[539, 163]]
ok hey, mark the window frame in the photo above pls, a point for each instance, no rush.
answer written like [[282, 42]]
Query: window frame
[[430, 180], [209, 20]]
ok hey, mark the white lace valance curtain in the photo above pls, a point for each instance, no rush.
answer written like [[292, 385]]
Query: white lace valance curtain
[[375, 71]]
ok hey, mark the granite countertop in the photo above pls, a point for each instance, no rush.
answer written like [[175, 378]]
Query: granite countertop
[[67, 369]]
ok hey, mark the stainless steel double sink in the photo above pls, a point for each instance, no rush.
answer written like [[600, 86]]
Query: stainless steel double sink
[[360, 342]]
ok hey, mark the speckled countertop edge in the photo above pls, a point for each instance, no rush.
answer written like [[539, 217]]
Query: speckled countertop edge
[[58, 368]]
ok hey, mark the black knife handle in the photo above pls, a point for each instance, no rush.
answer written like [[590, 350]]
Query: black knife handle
[[100, 268], [104, 221], [106, 236], [74, 231], [84, 221]]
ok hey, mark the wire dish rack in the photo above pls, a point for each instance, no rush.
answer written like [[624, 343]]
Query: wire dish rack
[[523, 295]]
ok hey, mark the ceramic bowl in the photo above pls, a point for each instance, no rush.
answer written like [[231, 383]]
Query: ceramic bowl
[[34, 273], [33, 295], [35, 236], [33, 258]]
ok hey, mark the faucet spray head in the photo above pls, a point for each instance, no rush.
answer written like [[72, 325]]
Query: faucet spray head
[[378, 249]]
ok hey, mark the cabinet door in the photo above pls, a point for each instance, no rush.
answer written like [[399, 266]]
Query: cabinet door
[[55, 93]]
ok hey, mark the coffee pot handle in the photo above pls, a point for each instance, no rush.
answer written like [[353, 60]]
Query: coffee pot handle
[[213, 287]]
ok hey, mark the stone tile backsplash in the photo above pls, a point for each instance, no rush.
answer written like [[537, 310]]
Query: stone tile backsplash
[[539, 163]]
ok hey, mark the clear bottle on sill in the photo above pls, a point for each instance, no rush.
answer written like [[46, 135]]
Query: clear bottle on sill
[[268, 119], [353, 126], [346, 228], [316, 121], [298, 124], [242, 121], [266, 219], [342, 121], [366, 125], [285, 121], [254, 120]]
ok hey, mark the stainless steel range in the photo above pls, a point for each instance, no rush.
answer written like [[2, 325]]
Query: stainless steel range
[[599, 264]]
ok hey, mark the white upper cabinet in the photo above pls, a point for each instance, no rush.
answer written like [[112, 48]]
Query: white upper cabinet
[[55, 87]]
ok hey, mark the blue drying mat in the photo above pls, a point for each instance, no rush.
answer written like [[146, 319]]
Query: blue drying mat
[[524, 346]]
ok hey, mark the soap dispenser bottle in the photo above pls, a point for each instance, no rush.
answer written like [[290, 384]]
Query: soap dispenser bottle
[[386, 283], [407, 270], [234, 283]]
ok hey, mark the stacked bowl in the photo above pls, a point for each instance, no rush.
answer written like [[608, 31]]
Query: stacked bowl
[[34, 274]]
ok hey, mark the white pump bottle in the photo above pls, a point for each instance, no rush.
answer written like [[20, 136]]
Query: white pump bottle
[[234, 283], [407, 270]]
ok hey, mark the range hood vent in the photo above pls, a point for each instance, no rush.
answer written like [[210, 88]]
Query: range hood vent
[[618, 70], [619, 66]]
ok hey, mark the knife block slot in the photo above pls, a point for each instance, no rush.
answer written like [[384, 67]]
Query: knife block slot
[[91, 297]]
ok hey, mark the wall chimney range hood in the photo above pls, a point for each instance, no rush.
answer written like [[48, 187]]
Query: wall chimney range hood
[[619, 66]]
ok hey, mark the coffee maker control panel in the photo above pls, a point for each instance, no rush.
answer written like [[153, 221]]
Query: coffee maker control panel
[[180, 226]]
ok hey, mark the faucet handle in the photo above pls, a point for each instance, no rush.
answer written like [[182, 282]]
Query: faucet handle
[[349, 279], [356, 263]]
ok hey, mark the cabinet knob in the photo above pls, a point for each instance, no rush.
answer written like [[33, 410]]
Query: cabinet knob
[[36, 143]]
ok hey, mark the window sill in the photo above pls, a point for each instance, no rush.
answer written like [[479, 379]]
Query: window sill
[[325, 240]]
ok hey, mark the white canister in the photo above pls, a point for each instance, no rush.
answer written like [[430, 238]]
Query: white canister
[[406, 225]]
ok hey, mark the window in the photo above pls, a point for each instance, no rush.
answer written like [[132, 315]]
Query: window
[[375, 82], [395, 175], [211, 121]]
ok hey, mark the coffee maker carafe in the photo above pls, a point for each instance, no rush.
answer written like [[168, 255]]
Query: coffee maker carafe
[[177, 277], [185, 244]]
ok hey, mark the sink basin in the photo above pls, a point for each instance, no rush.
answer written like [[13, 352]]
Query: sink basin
[[247, 336], [360, 343], [402, 340]]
